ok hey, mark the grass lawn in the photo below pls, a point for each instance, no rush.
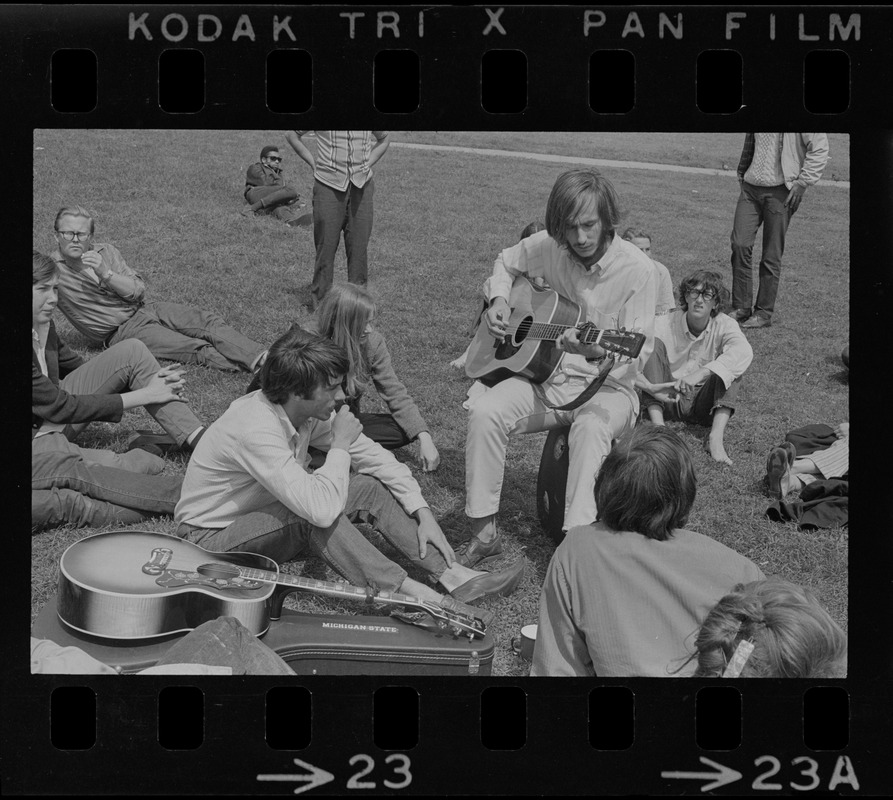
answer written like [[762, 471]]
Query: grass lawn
[[170, 201]]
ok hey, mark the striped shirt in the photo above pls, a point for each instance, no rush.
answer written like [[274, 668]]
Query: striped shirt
[[253, 459], [342, 157], [835, 461], [93, 308]]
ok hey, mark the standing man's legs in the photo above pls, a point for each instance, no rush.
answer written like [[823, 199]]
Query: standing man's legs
[[329, 213], [748, 218], [358, 231], [776, 218], [124, 366]]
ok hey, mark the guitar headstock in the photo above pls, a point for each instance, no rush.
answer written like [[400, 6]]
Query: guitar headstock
[[458, 623], [620, 342]]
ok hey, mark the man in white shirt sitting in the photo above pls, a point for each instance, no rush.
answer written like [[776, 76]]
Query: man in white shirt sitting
[[699, 357], [248, 486]]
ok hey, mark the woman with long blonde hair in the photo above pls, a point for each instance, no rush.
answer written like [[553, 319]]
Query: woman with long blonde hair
[[347, 315]]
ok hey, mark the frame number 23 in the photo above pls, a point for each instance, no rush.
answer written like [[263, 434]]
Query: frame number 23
[[399, 778]]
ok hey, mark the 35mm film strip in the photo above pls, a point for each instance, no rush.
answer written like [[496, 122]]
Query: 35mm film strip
[[123, 106]]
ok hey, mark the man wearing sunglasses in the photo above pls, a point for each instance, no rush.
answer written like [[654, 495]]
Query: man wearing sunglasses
[[105, 300], [265, 188], [699, 356]]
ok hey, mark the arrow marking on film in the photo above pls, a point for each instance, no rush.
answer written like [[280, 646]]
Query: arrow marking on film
[[317, 776], [721, 778]]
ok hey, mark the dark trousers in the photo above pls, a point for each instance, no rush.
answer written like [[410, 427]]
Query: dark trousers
[[697, 408], [349, 211], [271, 196], [758, 205]]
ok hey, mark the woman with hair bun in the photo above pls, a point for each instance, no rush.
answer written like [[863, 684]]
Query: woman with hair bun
[[770, 629]]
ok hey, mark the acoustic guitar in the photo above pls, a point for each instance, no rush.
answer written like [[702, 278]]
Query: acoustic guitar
[[141, 585], [538, 318]]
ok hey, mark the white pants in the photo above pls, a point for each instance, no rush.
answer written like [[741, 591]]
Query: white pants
[[514, 406]]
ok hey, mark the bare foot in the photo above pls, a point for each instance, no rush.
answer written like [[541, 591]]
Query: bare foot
[[718, 451], [459, 363]]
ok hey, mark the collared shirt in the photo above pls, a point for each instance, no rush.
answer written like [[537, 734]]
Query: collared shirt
[[618, 604], [666, 300], [253, 459], [721, 347], [618, 291], [342, 157], [39, 339], [93, 308]]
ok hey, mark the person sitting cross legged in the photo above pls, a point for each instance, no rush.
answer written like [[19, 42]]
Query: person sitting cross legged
[[265, 188], [86, 486], [247, 487], [621, 595], [105, 300], [699, 356]]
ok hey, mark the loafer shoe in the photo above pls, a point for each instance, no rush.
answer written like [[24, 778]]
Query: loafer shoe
[[739, 314], [778, 465], [756, 321], [489, 584], [474, 552]]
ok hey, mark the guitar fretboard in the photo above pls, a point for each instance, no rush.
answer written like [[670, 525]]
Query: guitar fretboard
[[549, 331]]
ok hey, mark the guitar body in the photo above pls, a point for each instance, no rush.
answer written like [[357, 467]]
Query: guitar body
[[491, 361], [141, 584]]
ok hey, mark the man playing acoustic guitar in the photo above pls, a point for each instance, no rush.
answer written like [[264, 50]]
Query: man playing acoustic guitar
[[248, 487], [580, 257]]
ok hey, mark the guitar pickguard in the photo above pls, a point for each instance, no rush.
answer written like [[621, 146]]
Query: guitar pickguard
[[173, 578]]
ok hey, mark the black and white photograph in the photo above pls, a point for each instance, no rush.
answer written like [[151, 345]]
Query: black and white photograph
[[514, 433]]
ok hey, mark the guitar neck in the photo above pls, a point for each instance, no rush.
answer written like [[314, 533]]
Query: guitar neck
[[331, 589], [550, 332]]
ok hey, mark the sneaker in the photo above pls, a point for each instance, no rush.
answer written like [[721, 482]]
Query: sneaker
[[757, 321]]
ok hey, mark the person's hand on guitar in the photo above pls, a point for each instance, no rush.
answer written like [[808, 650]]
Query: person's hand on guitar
[[497, 317], [430, 533], [569, 342]]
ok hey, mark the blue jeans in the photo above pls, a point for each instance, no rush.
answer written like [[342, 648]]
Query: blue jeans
[[66, 489], [125, 366], [283, 536], [180, 333], [758, 205], [333, 212], [225, 642]]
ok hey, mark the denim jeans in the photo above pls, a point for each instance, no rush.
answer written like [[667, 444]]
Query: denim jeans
[[758, 205], [181, 333], [66, 489], [699, 407], [125, 366], [283, 536], [333, 212], [225, 642]]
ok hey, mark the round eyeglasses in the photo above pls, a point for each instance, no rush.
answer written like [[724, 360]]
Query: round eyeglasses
[[70, 236], [694, 294]]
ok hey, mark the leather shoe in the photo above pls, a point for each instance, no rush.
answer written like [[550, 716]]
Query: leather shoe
[[756, 321], [474, 552], [739, 314], [778, 464], [489, 584]]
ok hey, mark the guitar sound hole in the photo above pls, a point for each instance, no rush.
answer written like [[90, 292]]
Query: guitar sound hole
[[214, 571], [523, 329]]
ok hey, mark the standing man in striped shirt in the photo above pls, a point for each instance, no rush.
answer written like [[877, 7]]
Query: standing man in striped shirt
[[342, 199]]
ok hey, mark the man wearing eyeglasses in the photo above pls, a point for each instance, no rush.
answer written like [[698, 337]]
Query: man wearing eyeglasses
[[265, 188], [699, 356], [104, 299]]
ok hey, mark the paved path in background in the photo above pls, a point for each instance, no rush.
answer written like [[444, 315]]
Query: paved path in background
[[595, 162]]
